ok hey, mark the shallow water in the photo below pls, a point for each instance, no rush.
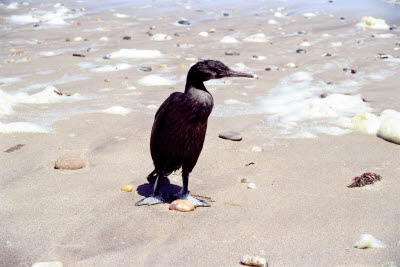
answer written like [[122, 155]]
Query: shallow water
[[291, 101]]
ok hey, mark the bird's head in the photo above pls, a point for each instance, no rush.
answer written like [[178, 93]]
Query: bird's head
[[213, 69]]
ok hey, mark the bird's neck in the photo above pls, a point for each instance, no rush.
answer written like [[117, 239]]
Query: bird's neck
[[194, 85]]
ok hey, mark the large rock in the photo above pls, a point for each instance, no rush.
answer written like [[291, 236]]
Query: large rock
[[389, 129], [69, 163]]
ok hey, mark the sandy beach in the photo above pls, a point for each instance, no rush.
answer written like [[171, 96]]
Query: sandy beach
[[310, 120]]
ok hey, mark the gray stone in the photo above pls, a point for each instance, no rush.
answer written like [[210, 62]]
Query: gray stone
[[233, 136]]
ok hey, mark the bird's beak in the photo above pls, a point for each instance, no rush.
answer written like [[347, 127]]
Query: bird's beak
[[232, 73]]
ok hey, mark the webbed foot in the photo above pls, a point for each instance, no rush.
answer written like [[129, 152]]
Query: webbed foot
[[196, 202], [151, 200]]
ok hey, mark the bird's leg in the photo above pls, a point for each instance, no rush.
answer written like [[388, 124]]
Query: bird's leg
[[185, 194], [156, 197]]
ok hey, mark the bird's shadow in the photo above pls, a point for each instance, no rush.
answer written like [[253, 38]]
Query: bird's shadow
[[166, 189]]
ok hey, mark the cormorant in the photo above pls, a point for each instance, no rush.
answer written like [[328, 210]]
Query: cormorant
[[179, 129]]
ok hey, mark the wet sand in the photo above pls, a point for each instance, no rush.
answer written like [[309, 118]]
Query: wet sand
[[301, 212]]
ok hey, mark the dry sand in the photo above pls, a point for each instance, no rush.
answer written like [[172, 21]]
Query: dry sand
[[301, 212]]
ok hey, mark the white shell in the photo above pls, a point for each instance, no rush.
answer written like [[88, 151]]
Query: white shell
[[253, 261]]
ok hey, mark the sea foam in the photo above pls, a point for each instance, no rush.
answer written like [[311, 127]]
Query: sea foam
[[135, 54]]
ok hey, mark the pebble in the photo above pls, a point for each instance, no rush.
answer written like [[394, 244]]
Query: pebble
[[145, 68], [184, 22], [233, 136], [107, 80], [78, 55], [127, 188], [327, 55], [301, 51], [251, 186], [384, 56], [232, 53], [203, 34], [350, 70], [253, 261], [245, 180], [69, 163], [77, 39], [257, 149], [212, 30], [127, 38], [181, 205]]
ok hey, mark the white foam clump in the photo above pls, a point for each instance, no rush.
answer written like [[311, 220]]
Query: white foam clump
[[373, 23], [279, 15], [103, 38], [56, 17], [47, 96], [48, 264], [13, 5], [155, 80], [336, 44], [229, 40], [368, 241], [21, 127], [119, 15], [305, 43], [9, 80], [108, 68], [117, 110], [160, 37], [135, 53], [203, 34], [365, 122], [309, 15], [23, 19], [301, 76], [295, 106], [389, 128], [272, 22], [385, 35], [257, 38]]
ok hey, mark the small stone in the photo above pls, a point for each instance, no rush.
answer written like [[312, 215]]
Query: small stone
[[69, 163], [245, 180], [233, 136], [212, 30], [327, 55], [257, 149], [68, 40], [78, 55], [181, 205], [184, 22], [107, 80], [78, 39], [291, 65], [301, 51], [323, 95], [127, 188], [126, 38], [232, 53], [251, 186], [226, 14], [253, 261], [152, 27], [301, 32], [350, 70], [163, 65], [145, 68], [268, 69]]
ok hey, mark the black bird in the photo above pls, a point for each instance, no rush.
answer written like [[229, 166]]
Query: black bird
[[179, 129]]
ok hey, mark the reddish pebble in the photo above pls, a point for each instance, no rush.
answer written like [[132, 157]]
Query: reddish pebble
[[69, 163], [181, 205]]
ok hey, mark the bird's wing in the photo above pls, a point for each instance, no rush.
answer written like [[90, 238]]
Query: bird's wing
[[166, 121]]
